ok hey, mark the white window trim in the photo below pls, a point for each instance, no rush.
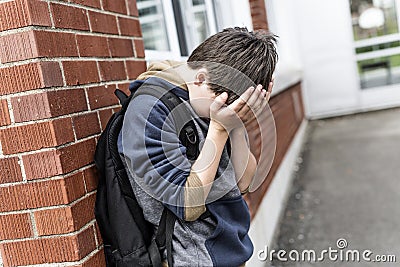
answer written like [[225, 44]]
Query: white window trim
[[211, 16], [379, 53], [377, 40], [174, 53]]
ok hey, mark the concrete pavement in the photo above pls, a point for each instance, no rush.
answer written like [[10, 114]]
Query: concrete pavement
[[347, 186]]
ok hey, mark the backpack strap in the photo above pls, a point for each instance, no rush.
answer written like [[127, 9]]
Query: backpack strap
[[164, 233], [121, 96], [183, 119]]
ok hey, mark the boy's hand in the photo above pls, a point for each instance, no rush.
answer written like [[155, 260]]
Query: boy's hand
[[252, 102], [224, 117]]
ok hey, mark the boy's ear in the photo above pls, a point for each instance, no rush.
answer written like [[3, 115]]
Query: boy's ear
[[201, 76]]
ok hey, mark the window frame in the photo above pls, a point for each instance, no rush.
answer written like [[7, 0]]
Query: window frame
[[171, 30], [387, 52]]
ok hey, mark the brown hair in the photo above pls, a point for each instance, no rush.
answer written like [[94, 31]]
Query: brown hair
[[252, 53]]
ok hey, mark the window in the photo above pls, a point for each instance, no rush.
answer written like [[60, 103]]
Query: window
[[153, 25], [377, 41], [173, 28]]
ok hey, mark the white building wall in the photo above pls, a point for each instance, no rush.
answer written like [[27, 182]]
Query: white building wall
[[231, 13], [317, 38]]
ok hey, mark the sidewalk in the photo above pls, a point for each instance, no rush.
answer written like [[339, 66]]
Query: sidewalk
[[347, 186]]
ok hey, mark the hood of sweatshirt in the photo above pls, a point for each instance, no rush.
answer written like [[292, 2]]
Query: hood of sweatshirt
[[165, 70]]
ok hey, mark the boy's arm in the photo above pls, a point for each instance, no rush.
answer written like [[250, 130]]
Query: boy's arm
[[247, 107], [244, 162], [204, 169], [203, 172]]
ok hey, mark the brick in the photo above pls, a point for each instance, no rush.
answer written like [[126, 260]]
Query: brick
[[102, 96], [92, 46], [60, 161], [130, 27], [83, 211], [66, 101], [39, 12], [86, 124], [105, 115], [4, 114], [112, 70], [120, 47], [91, 177], [42, 164], [132, 8], [10, 171], [29, 76], [139, 48], [66, 219], [50, 74], [33, 44], [17, 46], [14, 226], [48, 250], [69, 17], [54, 221], [33, 195], [103, 23], [48, 104], [74, 74], [91, 3], [134, 68], [86, 242], [97, 260], [31, 107], [21, 13], [9, 15], [75, 186], [77, 155], [62, 131], [115, 6], [56, 44], [36, 136]]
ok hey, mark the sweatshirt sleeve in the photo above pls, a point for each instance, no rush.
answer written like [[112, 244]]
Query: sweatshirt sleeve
[[157, 159]]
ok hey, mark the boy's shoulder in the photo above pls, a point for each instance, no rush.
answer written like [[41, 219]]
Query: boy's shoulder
[[153, 83]]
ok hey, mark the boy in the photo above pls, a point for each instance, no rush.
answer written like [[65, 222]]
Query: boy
[[160, 173]]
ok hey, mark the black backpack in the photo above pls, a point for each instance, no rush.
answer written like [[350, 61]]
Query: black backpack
[[129, 240]]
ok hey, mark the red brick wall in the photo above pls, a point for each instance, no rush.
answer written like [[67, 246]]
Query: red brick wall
[[288, 113], [258, 14], [60, 62]]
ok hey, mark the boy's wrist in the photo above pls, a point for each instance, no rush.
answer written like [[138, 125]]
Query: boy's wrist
[[217, 127], [240, 131]]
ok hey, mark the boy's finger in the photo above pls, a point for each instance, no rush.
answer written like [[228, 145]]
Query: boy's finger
[[253, 99], [239, 103], [247, 94], [260, 101], [219, 101], [271, 84], [268, 96]]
